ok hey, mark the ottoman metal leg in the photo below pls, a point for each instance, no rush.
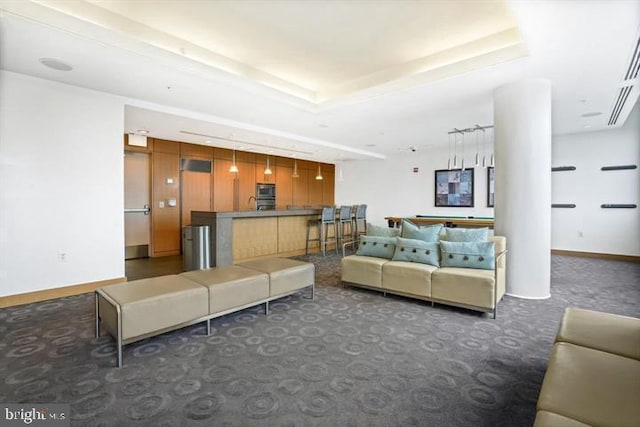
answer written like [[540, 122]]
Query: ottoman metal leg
[[266, 308], [208, 327], [96, 296]]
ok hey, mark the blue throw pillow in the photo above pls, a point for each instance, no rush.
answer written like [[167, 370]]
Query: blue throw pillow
[[426, 234], [468, 254], [376, 230], [412, 250], [467, 234], [376, 246]]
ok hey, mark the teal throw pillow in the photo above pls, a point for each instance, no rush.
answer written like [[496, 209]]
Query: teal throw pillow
[[468, 254], [376, 230], [412, 250], [376, 246], [467, 234], [426, 234]]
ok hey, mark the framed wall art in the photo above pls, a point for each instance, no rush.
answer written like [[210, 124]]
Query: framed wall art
[[454, 188], [491, 178]]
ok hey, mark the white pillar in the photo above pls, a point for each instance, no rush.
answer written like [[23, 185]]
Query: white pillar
[[522, 149]]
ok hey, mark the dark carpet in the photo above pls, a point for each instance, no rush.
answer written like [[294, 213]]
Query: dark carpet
[[350, 358]]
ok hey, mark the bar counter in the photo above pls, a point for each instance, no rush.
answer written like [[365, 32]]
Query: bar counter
[[242, 235]]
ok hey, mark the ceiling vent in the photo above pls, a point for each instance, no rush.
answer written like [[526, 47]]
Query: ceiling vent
[[627, 86]]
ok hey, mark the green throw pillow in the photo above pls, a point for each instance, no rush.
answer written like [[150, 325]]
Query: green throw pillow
[[467, 234], [376, 246], [468, 254], [412, 250], [376, 230], [426, 234]]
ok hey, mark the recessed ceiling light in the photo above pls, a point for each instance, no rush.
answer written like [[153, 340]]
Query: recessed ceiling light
[[322, 125], [56, 64], [592, 114], [208, 141], [370, 145], [587, 126], [143, 131], [583, 101]]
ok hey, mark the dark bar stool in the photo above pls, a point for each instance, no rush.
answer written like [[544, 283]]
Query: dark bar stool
[[313, 224], [361, 217], [328, 219], [346, 229]]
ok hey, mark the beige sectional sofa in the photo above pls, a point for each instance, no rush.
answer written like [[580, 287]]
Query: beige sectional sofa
[[473, 288], [140, 309], [593, 374]]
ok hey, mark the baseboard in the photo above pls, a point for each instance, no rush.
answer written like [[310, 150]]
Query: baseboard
[[64, 291], [614, 257]]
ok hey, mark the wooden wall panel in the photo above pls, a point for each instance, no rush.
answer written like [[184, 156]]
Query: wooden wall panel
[[194, 151], [246, 185], [222, 186], [301, 188], [315, 188], [284, 187], [164, 146], [165, 237], [328, 185], [195, 194]]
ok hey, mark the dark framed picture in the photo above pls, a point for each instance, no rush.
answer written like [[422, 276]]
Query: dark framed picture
[[454, 188], [491, 178]]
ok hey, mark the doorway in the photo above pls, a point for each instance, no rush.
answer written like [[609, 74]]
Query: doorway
[[137, 212]]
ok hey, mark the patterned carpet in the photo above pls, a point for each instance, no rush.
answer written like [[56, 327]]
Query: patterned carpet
[[350, 358]]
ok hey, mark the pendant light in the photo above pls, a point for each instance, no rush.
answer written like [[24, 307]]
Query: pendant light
[[267, 170], [319, 175], [491, 161], [295, 173], [455, 150], [463, 151], [477, 159], [484, 148], [234, 167], [449, 163]]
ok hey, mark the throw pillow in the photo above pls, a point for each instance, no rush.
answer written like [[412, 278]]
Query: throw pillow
[[426, 234], [468, 254], [376, 230], [412, 250], [467, 234], [376, 246]]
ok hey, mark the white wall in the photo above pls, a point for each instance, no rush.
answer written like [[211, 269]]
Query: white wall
[[61, 185], [614, 231], [390, 188]]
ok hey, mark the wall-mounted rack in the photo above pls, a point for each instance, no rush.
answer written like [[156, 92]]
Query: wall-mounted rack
[[563, 205], [618, 168], [563, 168], [618, 206]]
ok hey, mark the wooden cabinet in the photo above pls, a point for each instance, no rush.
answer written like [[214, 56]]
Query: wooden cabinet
[[246, 185], [284, 187]]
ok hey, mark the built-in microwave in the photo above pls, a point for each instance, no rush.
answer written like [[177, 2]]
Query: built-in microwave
[[265, 191]]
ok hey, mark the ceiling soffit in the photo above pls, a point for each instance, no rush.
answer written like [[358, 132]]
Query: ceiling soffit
[[475, 49]]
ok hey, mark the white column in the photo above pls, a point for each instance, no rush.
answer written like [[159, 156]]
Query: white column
[[522, 148]]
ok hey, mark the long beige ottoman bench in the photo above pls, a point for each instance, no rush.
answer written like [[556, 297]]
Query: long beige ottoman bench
[[286, 276], [136, 310], [133, 311], [593, 374], [231, 288]]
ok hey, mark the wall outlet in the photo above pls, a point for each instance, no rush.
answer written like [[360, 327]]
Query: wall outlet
[[161, 204], [62, 257]]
